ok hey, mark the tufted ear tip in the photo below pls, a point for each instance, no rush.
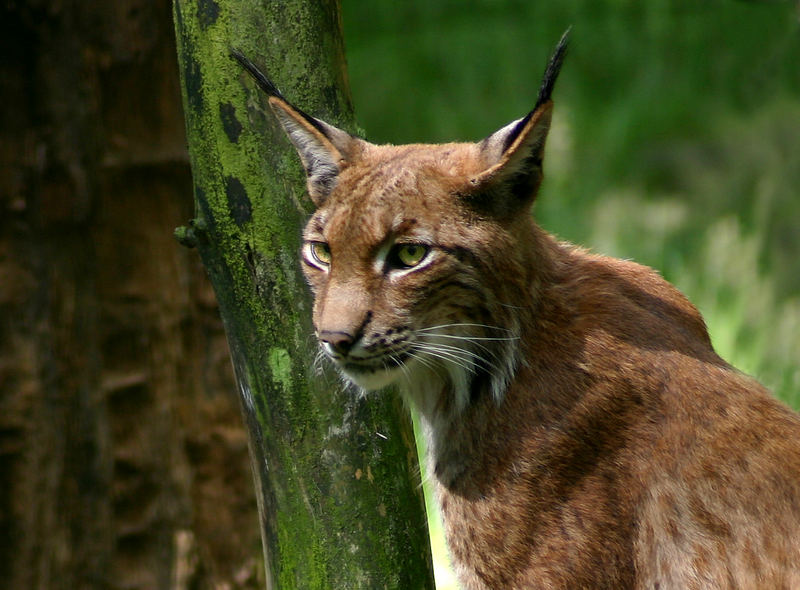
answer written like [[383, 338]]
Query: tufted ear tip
[[261, 79], [323, 148], [513, 155], [553, 69]]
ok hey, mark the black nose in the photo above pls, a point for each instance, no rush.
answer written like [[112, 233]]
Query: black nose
[[337, 343]]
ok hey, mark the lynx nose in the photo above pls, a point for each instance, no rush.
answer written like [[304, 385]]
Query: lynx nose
[[336, 343]]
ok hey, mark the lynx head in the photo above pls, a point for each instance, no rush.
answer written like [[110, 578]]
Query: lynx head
[[419, 255]]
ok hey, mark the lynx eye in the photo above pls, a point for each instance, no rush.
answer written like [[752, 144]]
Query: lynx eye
[[319, 252], [408, 255]]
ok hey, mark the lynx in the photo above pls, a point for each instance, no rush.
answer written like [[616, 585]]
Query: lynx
[[582, 432]]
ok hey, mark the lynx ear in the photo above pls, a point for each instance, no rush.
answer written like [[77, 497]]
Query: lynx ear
[[513, 154], [323, 148]]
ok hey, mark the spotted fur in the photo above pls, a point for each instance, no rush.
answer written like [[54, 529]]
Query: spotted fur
[[582, 431]]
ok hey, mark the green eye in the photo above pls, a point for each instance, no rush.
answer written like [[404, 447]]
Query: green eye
[[409, 255], [320, 252]]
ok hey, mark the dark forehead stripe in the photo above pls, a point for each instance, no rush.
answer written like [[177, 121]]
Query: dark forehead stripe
[[317, 223], [404, 225], [465, 255]]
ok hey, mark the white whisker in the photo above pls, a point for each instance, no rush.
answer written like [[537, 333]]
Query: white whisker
[[426, 362], [462, 354], [403, 368], [448, 347], [492, 354], [452, 357], [463, 325], [509, 306], [471, 338]]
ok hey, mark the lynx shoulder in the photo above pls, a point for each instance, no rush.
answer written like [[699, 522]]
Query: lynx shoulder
[[582, 431]]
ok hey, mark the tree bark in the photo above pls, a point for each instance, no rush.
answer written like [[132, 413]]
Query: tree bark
[[336, 474], [123, 461]]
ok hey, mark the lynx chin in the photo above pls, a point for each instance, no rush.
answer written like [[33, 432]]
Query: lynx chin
[[582, 431]]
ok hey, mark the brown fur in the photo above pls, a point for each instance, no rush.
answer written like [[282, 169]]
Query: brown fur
[[583, 433]]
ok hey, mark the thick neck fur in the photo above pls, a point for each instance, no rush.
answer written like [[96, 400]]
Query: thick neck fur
[[456, 406], [564, 297], [562, 482]]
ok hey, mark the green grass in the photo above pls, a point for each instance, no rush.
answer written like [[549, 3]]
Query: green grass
[[676, 140]]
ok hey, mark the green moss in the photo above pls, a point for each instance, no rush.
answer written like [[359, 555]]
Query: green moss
[[280, 363], [185, 236]]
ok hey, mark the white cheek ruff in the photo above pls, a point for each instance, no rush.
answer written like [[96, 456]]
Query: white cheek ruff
[[373, 379]]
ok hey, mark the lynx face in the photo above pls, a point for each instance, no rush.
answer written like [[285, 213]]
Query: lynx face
[[399, 263]]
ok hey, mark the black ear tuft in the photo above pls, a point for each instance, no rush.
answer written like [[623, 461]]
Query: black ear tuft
[[263, 82], [512, 132], [323, 148], [271, 90], [553, 69], [513, 155]]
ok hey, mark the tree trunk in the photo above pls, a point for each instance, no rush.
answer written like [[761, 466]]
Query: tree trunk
[[336, 475]]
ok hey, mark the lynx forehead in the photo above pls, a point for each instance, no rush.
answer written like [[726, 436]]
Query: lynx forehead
[[390, 188], [582, 431]]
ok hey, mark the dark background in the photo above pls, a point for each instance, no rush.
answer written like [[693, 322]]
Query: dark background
[[123, 463]]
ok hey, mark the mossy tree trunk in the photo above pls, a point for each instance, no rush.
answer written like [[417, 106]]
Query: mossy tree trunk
[[336, 474]]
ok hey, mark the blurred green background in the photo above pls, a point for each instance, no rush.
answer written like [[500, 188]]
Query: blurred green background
[[676, 138]]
